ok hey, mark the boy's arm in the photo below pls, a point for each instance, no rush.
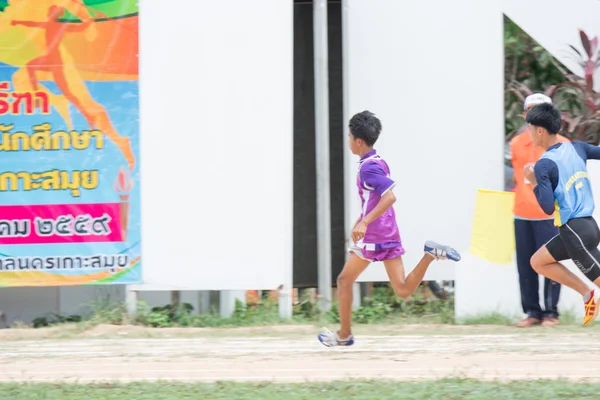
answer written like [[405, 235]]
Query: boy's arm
[[387, 200], [29, 24], [375, 179], [546, 181], [592, 152]]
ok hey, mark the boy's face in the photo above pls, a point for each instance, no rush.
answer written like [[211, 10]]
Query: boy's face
[[353, 143], [536, 133]]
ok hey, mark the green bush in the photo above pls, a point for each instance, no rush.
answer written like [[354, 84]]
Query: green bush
[[381, 307]]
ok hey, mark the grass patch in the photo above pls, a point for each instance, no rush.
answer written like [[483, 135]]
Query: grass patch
[[447, 389], [488, 319], [383, 308], [566, 318]]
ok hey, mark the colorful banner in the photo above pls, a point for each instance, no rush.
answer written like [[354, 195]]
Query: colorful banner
[[69, 135]]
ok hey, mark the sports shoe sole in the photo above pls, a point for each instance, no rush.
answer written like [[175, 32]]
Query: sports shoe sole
[[451, 253]]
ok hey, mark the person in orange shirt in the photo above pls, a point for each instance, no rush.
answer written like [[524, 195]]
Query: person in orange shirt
[[533, 229]]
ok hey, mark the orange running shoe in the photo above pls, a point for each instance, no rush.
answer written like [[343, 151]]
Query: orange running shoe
[[591, 309]]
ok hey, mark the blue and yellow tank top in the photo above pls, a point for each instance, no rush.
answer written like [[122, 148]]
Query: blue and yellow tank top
[[573, 194]]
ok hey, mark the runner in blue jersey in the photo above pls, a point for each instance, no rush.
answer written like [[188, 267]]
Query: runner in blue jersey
[[562, 187]]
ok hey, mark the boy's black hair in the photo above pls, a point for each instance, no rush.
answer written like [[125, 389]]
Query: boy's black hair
[[546, 116], [366, 126]]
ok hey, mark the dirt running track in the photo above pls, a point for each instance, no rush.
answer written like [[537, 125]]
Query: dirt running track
[[279, 358]]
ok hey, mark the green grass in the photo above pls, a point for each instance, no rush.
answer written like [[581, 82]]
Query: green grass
[[448, 389], [566, 318], [488, 319], [382, 309]]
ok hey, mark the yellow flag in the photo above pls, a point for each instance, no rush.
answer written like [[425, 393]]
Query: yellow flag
[[493, 236]]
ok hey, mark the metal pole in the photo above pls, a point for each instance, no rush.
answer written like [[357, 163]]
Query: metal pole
[[175, 299], [227, 300], [286, 307], [203, 302], [322, 151], [131, 300], [349, 214], [349, 191]]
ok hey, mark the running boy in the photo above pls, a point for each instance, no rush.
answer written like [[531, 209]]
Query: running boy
[[375, 235], [561, 185]]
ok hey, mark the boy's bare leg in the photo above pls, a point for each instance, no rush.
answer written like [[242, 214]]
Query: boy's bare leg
[[352, 269], [544, 264], [405, 286]]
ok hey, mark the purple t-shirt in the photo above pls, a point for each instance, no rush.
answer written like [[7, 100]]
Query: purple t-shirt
[[373, 180]]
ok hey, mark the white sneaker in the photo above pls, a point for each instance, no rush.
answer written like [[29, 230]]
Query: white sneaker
[[330, 339]]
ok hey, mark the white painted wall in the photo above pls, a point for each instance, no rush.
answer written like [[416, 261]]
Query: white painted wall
[[216, 122], [483, 287], [433, 72]]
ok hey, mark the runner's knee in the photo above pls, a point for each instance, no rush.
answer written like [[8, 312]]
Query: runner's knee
[[536, 263], [343, 280], [402, 291], [540, 259]]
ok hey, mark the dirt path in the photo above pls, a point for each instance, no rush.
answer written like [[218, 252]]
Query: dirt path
[[515, 355]]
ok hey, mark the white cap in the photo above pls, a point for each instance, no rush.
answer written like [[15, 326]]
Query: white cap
[[535, 99]]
